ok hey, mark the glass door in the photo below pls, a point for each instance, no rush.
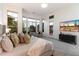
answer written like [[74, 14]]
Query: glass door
[[50, 27]]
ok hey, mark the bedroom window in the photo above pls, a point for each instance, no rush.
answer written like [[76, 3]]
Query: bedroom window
[[30, 25], [12, 21], [33, 25], [24, 25], [50, 27], [43, 26], [38, 25]]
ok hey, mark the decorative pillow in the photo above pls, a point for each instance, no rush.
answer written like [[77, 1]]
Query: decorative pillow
[[6, 44], [27, 38], [14, 38], [21, 38]]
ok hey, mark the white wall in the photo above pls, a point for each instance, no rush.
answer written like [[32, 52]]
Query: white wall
[[1, 17], [1, 13], [70, 12]]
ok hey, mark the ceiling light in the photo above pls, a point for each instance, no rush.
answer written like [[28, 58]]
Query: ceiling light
[[44, 5]]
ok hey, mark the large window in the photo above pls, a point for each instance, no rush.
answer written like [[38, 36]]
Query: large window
[[43, 26], [38, 25], [51, 27], [12, 21], [24, 25], [33, 25], [30, 25]]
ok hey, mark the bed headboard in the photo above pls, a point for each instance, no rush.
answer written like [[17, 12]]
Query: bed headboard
[[2, 29]]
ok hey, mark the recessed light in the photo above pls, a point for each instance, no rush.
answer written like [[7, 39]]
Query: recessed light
[[44, 5]]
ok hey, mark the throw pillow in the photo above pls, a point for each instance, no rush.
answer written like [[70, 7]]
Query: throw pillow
[[14, 38], [21, 38], [6, 44], [27, 38]]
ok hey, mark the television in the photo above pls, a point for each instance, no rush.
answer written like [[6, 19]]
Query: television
[[67, 38], [69, 26]]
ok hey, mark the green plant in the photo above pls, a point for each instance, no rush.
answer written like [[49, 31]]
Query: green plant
[[12, 24]]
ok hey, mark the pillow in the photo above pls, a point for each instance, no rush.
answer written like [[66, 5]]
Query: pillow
[[6, 44], [27, 38], [14, 38], [21, 38]]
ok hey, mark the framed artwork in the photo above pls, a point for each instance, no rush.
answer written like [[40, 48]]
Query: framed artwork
[[69, 26]]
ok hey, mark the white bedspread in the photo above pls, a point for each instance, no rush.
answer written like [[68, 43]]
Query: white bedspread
[[40, 46], [36, 47]]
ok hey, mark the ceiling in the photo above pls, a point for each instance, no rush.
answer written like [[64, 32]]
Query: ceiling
[[35, 8]]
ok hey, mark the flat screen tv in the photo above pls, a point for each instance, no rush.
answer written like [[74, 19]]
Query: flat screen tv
[[68, 38], [69, 26]]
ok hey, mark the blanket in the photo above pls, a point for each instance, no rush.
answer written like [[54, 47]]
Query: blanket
[[39, 46]]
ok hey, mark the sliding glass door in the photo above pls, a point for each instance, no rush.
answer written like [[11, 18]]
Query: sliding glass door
[[33, 25], [50, 27], [30, 25], [24, 25]]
